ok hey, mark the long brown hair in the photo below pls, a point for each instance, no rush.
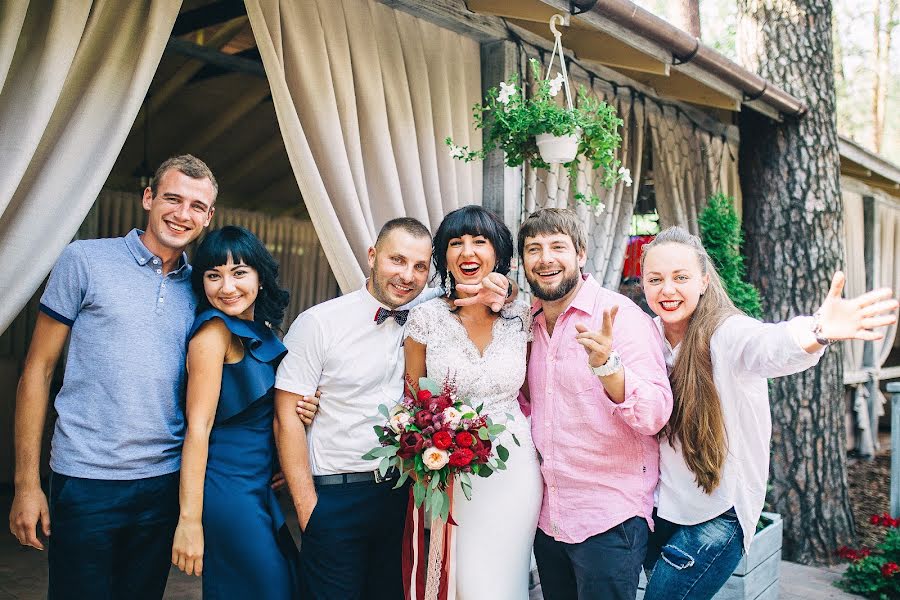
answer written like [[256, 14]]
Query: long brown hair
[[697, 422]]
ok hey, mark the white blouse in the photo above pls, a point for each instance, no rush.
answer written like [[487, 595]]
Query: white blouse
[[745, 352]]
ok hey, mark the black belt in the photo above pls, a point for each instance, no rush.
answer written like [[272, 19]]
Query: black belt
[[367, 476]]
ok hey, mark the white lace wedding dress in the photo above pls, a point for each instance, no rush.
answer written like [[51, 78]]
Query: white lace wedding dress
[[491, 554]]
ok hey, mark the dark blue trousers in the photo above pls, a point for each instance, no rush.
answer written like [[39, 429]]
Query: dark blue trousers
[[606, 566], [111, 539], [351, 548]]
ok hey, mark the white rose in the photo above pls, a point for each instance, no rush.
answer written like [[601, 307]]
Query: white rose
[[399, 422], [435, 458], [452, 417]]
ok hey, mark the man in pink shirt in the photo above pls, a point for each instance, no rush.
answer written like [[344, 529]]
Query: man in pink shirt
[[599, 395]]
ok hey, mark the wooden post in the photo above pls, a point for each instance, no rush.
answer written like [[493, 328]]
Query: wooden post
[[893, 389], [502, 185], [869, 252]]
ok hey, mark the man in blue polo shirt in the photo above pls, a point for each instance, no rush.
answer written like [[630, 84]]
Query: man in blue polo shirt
[[116, 450]]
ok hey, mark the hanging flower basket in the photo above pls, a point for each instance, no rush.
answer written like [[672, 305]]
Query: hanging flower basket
[[558, 148], [538, 131]]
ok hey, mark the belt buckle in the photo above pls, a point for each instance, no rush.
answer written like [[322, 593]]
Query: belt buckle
[[378, 477]]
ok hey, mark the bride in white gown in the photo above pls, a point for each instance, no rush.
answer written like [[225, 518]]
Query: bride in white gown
[[485, 353]]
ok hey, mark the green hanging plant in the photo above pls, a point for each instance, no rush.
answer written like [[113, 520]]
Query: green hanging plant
[[512, 123]]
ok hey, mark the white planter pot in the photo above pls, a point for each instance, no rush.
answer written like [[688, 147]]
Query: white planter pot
[[558, 148]]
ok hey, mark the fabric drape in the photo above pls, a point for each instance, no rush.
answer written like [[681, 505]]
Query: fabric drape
[[608, 228], [854, 268], [73, 76], [689, 165], [365, 96], [887, 269]]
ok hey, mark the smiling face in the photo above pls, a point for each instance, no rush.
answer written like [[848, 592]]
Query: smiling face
[[470, 258], [232, 288], [673, 283], [178, 212], [399, 266], [552, 265]]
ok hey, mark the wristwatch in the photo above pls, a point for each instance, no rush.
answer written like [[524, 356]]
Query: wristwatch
[[817, 331], [612, 365]]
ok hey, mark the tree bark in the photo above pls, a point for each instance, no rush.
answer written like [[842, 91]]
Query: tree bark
[[687, 14], [790, 175]]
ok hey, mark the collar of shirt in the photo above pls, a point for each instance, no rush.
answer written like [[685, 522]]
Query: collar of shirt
[[143, 256]]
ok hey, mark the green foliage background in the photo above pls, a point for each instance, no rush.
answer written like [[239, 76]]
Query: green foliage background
[[720, 230]]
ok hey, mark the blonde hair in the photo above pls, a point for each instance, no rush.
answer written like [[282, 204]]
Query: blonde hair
[[697, 422]]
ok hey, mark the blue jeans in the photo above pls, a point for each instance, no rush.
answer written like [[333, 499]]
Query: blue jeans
[[111, 539], [606, 566], [692, 561]]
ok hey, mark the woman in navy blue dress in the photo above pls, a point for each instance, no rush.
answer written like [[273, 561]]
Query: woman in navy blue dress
[[231, 529]]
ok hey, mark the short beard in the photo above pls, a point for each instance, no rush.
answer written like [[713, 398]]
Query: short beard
[[565, 286]]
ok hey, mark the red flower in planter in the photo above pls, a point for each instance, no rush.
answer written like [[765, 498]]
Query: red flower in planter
[[888, 569]]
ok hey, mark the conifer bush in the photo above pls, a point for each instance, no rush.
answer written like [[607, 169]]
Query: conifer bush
[[720, 230]]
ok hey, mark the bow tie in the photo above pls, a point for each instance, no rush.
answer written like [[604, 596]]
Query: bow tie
[[384, 314]]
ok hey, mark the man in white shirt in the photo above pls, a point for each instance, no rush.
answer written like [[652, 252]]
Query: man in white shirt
[[350, 349]]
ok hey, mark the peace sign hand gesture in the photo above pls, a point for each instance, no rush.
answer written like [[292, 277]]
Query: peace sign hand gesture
[[598, 344], [855, 318]]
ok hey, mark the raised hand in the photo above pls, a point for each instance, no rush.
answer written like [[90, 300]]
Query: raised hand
[[598, 344], [490, 292], [855, 318]]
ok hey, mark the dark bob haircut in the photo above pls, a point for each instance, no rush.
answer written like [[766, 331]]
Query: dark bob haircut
[[471, 220], [242, 246]]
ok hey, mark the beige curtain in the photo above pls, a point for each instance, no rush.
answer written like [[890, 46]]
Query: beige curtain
[[607, 229], [854, 268], [365, 96], [887, 271], [689, 165], [76, 78]]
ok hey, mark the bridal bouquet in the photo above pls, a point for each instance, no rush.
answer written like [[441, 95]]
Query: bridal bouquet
[[433, 436]]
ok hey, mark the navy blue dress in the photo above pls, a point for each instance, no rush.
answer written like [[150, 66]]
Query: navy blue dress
[[248, 552]]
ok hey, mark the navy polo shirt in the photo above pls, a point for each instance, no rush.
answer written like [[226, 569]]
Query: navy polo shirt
[[120, 408]]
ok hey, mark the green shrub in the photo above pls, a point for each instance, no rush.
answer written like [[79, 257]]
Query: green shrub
[[874, 573], [720, 230]]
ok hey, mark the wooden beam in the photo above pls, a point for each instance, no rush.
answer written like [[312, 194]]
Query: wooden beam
[[214, 57], [190, 68], [222, 123], [453, 15], [678, 86], [599, 47], [525, 10], [850, 170], [206, 16]]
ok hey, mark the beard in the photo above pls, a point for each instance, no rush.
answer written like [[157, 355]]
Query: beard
[[552, 294]]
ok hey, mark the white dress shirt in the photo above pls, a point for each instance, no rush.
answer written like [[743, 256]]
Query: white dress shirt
[[745, 353], [357, 364]]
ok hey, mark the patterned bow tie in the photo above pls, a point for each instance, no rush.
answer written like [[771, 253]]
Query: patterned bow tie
[[384, 314]]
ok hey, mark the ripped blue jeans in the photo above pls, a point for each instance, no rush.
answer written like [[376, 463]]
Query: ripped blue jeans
[[692, 561]]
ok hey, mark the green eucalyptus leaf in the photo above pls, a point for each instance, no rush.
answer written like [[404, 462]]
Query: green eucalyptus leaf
[[384, 411], [418, 493], [403, 477], [430, 385], [485, 470], [483, 433], [502, 453], [515, 439], [384, 465]]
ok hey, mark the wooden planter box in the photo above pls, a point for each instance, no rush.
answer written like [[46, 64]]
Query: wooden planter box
[[756, 576]]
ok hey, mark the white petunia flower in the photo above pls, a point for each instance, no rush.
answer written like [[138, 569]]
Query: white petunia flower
[[599, 208], [626, 176], [507, 91], [556, 84], [456, 151]]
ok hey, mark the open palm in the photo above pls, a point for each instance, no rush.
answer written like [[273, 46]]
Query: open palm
[[856, 318]]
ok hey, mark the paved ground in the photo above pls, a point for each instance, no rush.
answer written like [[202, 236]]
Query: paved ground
[[23, 575]]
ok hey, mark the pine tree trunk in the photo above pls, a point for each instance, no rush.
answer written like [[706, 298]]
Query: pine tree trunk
[[790, 175], [688, 16]]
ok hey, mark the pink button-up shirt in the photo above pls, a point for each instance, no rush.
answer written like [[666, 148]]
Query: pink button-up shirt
[[600, 460]]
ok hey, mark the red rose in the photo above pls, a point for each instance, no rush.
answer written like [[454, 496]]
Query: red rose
[[442, 440], [439, 404], [461, 457], [423, 396], [464, 439], [423, 419], [887, 569], [411, 443], [875, 520]]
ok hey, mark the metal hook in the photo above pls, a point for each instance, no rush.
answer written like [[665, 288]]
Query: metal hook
[[562, 19]]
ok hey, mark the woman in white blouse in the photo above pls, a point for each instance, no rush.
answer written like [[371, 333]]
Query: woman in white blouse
[[714, 455]]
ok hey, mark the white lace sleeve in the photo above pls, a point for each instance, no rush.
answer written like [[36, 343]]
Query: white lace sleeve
[[417, 324]]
